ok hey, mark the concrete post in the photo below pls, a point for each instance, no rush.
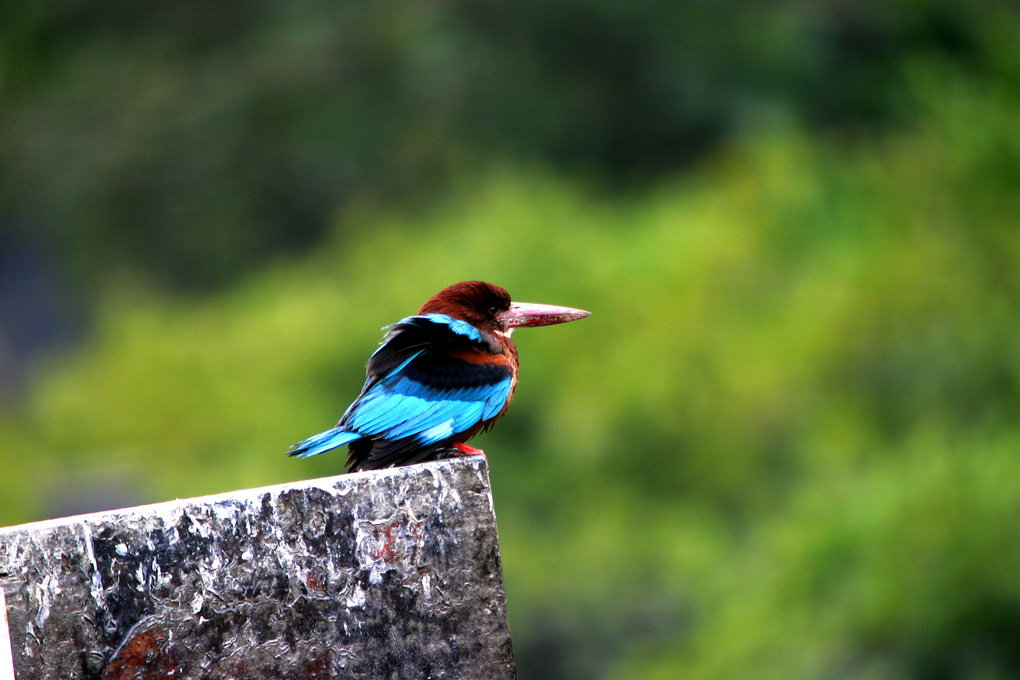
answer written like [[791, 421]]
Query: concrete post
[[389, 574]]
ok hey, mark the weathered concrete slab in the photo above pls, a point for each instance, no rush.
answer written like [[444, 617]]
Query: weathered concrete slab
[[390, 574]]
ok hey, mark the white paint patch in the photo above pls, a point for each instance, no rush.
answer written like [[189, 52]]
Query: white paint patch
[[225, 513], [6, 658], [450, 491], [98, 592], [356, 600], [426, 586], [162, 579], [42, 593]]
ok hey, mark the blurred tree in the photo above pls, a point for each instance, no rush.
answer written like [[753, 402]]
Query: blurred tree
[[197, 139]]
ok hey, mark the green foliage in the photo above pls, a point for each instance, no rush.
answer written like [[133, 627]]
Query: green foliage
[[783, 445]]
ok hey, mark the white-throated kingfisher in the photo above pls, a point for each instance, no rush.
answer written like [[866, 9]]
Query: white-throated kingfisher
[[438, 379]]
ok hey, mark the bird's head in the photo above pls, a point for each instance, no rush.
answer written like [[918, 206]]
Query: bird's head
[[488, 307]]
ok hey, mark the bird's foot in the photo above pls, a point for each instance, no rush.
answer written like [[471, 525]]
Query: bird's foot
[[465, 450]]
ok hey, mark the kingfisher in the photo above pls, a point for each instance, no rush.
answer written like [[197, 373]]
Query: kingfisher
[[439, 378]]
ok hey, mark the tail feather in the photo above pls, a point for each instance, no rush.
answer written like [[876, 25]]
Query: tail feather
[[322, 442]]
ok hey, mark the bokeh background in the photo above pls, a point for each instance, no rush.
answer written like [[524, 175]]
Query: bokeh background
[[785, 445]]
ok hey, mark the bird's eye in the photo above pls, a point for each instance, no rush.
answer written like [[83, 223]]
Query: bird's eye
[[493, 309]]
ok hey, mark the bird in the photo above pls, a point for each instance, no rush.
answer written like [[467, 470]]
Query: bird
[[437, 379]]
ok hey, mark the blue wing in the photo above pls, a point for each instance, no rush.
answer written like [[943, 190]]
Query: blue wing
[[433, 378]]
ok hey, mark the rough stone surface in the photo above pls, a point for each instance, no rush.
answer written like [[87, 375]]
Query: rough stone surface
[[390, 574]]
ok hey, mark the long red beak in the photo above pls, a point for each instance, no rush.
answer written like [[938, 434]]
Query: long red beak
[[529, 314]]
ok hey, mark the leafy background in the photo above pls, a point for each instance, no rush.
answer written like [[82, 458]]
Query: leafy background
[[785, 444]]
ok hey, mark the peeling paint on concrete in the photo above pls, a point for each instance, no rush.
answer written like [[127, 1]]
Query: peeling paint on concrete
[[387, 574]]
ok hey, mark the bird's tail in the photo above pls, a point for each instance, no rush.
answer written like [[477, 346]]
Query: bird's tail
[[324, 441]]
